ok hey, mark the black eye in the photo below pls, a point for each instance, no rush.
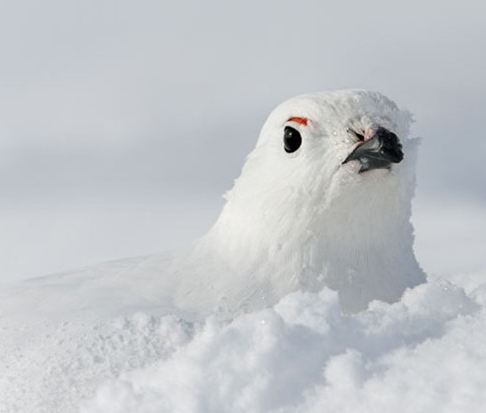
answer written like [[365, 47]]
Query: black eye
[[292, 139]]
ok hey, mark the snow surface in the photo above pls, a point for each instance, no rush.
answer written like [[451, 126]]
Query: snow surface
[[304, 296], [425, 353]]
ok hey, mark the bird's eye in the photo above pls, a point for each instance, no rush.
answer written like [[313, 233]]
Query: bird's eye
[[292, 139]]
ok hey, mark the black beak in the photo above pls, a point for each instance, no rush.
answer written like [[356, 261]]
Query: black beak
[[379, 152]]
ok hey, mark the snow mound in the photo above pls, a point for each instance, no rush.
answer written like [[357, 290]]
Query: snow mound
[[425, 353], [67, 363]]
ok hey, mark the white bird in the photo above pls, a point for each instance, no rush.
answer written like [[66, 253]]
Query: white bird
[[324, 199]]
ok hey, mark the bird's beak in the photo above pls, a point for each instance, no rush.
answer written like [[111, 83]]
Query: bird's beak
[[378, 149]]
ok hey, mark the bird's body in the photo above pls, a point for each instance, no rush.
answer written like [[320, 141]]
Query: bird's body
[[299, 217]]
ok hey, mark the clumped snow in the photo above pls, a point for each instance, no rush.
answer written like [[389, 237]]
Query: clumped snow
[[425, 353]]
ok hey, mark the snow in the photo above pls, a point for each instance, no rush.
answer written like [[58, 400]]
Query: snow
[[304, 296], [425, 353]]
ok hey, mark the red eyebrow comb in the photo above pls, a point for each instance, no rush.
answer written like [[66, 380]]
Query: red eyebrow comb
[[299, 120]]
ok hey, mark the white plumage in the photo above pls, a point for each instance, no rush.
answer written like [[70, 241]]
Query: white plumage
[[304, 220]]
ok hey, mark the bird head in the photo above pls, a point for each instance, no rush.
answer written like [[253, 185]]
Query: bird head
[[352, 131], [317, 148]]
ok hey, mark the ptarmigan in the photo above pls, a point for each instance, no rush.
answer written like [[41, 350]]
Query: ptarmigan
[[324, 199]]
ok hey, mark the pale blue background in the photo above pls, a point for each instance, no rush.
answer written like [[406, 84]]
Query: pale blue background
[[122, 122]]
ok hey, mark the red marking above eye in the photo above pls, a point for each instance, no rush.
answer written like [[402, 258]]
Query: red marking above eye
[[299, 120]]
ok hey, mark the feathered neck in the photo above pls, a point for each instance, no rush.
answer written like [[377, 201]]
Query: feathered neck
[[357, 241]]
